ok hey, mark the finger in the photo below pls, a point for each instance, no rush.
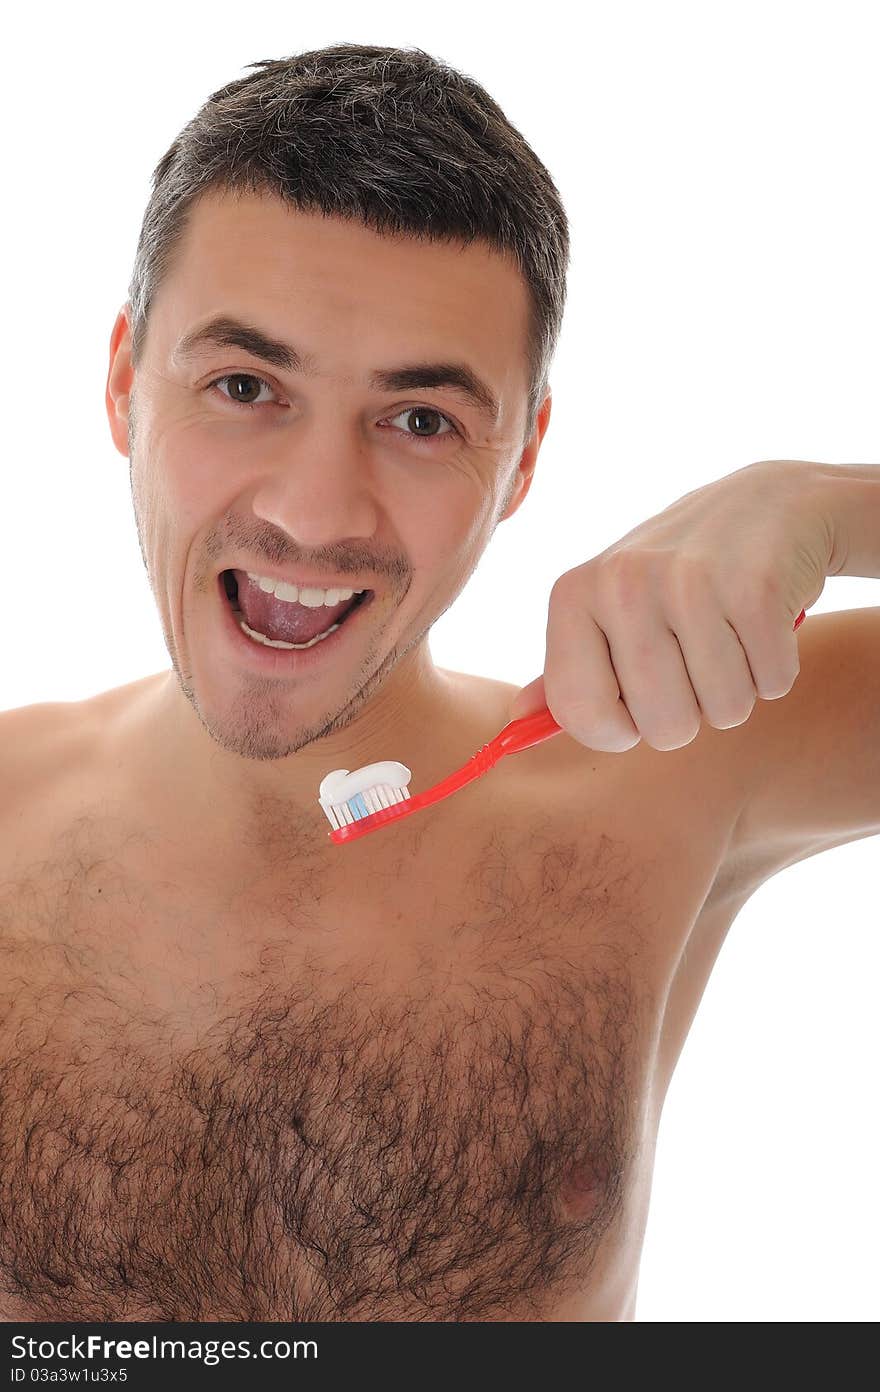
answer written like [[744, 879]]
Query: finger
[[529, 700], [770, 646], [717, 667], [653, 679], [580, 682]]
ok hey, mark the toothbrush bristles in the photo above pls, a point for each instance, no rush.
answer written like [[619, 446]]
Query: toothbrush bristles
[[364, 804]]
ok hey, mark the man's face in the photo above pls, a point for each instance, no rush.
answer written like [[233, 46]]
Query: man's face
[[321, 473]]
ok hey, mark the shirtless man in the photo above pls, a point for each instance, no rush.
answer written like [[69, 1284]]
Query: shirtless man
[[248, 1075]]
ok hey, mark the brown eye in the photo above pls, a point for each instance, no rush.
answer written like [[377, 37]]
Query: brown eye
[[422, 423], [242, 388]]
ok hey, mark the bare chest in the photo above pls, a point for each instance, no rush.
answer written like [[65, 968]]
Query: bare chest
[[424, 1099]]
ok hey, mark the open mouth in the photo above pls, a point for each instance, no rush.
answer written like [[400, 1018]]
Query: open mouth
[[280, 624]]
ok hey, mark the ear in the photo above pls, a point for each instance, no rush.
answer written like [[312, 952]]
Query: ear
[[120, 376], [522, 479]]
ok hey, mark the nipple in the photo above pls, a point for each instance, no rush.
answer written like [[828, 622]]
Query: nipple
[[583, 1189]]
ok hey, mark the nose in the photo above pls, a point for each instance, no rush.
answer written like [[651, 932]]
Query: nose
[[321, 487]]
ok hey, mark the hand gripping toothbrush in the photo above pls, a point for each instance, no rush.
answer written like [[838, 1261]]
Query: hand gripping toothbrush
[[377, 794]]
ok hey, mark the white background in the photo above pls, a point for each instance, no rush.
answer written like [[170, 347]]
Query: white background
[[719, 165]]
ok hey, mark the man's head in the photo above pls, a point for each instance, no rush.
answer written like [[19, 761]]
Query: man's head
[[373, 211]]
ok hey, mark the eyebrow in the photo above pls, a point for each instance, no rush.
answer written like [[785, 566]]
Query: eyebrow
[[224, 332]]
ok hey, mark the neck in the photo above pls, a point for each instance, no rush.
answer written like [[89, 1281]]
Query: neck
[[411, 718]]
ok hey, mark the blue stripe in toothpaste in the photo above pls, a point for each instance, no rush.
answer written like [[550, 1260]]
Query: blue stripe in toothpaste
[[348, 797]]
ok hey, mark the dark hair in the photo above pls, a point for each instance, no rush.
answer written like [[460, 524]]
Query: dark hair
[[390, 137]]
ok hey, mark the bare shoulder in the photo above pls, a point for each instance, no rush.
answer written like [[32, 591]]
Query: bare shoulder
[[46, 753], [36, 745], [32, 740], [484, 693]]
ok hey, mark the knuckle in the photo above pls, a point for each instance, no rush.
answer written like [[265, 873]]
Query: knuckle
[[687, 577], [771, 689], [589, 724], [618, 743], [734, 715], [621, 579], [570, 709], [757, 596], [673, 739], [561, 584], [571, 586], [589, 721], [775, 692]]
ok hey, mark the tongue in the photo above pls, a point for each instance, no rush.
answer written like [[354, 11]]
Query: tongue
[[281, 620]]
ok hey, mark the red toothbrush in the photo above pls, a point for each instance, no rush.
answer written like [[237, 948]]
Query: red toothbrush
[[358, 803]]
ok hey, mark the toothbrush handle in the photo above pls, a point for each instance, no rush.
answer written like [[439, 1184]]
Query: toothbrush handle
[[523, 733], [540, 725]]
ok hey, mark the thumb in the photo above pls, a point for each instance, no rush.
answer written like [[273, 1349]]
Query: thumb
[[530, 699]]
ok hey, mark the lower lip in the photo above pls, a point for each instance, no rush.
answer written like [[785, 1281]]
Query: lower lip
[[285, 660]]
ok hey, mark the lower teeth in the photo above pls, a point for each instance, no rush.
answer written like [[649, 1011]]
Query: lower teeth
[[271, 642]]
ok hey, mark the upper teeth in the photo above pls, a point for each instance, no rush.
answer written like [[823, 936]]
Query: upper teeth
[[310, 597]]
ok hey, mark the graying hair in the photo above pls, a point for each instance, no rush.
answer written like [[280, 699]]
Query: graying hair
[[390, 137]]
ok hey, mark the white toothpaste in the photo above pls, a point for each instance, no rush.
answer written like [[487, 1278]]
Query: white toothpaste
[[341, 787]]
